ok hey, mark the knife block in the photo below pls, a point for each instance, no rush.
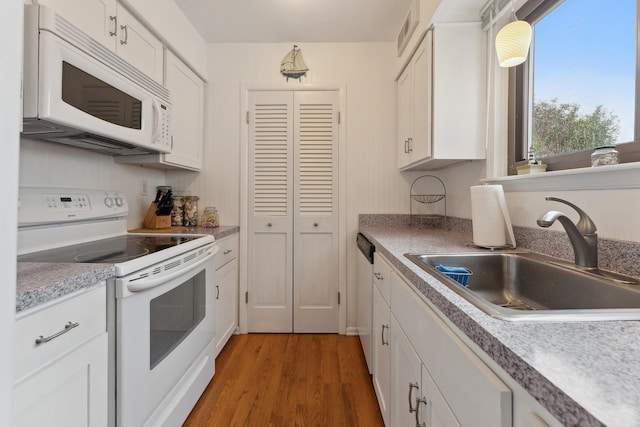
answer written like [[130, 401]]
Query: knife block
[[151, 220]]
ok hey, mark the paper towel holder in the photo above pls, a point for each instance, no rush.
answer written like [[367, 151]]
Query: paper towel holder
[[428, 198]]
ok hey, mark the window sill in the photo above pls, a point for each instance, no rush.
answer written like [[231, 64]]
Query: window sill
[[621, 176]]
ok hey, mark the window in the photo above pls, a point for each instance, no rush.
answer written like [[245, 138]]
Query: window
[[578, 90]]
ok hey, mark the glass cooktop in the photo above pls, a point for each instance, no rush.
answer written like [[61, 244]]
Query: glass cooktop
[[112, 250]]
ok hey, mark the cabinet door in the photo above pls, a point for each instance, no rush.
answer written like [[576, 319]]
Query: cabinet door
[[434, 410], [187, 109], [381, 353], [226, 303], [382, 276], [473, 392], [70, 391], [96, 18], [405, 379], [422, 61], [404, 87], [138, 46]]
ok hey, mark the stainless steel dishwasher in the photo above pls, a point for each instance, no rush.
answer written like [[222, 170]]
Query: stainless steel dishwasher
[[364, 293]]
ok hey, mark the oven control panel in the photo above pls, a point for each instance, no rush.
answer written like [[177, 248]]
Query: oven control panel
[[50, 205]]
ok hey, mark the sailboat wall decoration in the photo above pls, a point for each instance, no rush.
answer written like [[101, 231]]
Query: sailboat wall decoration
[[293, 65]]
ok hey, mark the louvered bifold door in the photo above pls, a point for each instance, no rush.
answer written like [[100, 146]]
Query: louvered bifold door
[[315, 225], [270, 211]]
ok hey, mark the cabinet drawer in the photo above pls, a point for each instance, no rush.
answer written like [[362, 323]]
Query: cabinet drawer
[[473, 391], [227, 250], [88, 310], [381, 276]]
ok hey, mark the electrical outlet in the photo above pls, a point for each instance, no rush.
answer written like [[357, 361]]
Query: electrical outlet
[[144, 188]]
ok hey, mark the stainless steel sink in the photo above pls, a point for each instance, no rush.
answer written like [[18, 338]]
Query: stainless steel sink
[[527, 286]]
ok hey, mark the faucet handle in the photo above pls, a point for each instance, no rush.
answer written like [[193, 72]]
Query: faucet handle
[[585, 225]]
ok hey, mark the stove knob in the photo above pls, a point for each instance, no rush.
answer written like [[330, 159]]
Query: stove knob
[[108, 201], [119, 201]]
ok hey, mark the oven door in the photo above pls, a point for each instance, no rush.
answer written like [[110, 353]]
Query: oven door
[[165, 344]]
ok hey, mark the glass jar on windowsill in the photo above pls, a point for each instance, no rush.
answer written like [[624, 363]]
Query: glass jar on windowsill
[[607, 155]]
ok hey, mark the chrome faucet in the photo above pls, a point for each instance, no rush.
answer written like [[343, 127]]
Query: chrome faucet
[[582, 235]]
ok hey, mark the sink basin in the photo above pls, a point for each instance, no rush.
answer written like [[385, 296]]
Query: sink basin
[[526, 286]]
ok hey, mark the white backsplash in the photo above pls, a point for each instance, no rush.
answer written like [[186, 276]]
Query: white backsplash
[[49, 164]]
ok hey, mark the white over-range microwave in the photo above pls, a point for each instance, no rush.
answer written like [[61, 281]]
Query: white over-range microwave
[[78, 92]]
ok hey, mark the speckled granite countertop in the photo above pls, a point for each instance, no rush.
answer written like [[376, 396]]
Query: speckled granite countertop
[[584, 373], [38, 283]]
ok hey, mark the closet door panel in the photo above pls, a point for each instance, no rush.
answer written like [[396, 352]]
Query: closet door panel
[[270, 251], [315, 225]]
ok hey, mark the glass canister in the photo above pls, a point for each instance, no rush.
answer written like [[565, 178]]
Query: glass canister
[[190, 210], [209, 217], [604, 156], [177, 213]]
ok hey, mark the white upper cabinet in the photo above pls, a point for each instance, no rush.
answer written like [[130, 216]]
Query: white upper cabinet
[[138, 46], [187, 103], [441, 99], [187, 121], [414, 106], [113, 26]]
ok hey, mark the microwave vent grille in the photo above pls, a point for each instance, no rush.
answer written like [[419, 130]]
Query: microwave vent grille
[[78, 38]]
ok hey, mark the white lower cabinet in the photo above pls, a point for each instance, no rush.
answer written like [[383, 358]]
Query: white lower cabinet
[[381, 353], [433, 375], [226, 290], [415, 398], [61, 364]]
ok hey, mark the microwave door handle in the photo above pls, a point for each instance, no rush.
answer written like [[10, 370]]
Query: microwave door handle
[[142, 285], [156, 121]]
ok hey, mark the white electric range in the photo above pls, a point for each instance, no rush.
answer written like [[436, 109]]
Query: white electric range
[[160, 304]]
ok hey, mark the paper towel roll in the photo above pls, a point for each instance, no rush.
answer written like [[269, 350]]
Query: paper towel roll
[[490, 217]]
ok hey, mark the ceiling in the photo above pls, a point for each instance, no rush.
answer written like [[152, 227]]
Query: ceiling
[[296, 21]]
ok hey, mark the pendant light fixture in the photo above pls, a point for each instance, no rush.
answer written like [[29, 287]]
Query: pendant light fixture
[[512, 42]]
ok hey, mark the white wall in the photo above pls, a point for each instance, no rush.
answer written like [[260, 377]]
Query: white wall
[[51, 164], [10, 24], [366, 70]]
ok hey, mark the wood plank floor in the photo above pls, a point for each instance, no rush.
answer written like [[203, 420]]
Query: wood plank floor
[[318, 380]]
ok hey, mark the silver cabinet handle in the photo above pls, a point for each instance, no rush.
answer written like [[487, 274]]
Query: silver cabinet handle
[[67, 327], [420, 400], [126, 34], [410, 140], [383, 341], [406, 146], [411, 387], [217, 292], [227, 252], [113, 19]]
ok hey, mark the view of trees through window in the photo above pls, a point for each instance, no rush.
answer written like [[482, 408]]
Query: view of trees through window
[[584, 61]]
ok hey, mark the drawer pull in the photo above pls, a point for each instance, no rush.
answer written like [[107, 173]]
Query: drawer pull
[[378, 276], [115, 25], [126, 34], [382, 335], [420, 400], [227, 252], [67, 327], [217, 292], [411, 387]]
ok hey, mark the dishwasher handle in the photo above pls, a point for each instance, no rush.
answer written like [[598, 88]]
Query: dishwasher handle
[[366, 247]]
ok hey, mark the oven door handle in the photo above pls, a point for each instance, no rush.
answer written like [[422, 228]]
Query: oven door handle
[[145, 284]]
